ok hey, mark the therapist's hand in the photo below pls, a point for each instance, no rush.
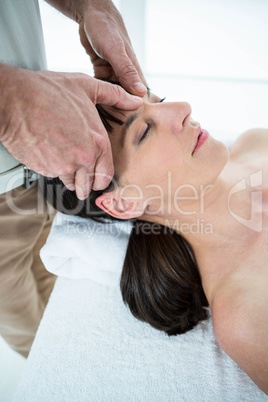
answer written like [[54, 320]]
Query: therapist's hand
[[105, 39], [49, 122]]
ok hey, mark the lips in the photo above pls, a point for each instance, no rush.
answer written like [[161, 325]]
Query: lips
[[201, 139]]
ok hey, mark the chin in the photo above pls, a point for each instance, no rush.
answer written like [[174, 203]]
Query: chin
[[220, 156], [213, 161], [222, 150]]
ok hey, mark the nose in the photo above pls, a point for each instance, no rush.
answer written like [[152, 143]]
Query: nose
[[181, 116]]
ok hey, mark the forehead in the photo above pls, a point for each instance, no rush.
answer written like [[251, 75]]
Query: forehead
[[115, 120], [123, 155]]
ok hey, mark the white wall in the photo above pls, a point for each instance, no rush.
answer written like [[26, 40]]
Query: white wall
[[212, 53], [208, 38]]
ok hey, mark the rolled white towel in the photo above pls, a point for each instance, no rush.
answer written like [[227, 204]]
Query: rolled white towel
[[80, 248]]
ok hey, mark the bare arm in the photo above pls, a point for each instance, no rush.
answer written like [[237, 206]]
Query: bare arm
[[106, 41], [240, 321], [54, 114], [73, 9], [48, 121]]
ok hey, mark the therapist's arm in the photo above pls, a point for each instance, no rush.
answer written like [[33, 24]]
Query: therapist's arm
[[49, 122], [106, 41]]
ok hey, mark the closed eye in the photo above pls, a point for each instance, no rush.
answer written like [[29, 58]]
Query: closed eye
[[146, 132]]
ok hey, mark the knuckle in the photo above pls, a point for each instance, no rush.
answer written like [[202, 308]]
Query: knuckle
[[102, 142], [80, 78], [97, 89], [67, 179], [105, 175], [128, 70], [104, 172], [115, 45], [88, 159], [119, 91], [108, 176], [66, 171]]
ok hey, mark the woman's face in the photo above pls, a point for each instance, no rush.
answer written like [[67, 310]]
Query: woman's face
[[160, 153]]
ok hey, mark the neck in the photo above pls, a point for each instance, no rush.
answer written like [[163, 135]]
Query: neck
[[213, 226]]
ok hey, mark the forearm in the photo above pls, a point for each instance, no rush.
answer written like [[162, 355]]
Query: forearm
[[106, 41], [75, 9], [7, 82]]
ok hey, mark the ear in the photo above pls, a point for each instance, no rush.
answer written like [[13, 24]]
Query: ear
[[117, 207]]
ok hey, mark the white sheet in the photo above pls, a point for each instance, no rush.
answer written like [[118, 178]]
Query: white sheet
[[90, 348]]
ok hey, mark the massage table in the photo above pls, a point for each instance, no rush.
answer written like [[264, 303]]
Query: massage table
[[89, 347]]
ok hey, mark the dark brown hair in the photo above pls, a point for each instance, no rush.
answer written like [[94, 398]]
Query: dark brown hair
[[160, 280]]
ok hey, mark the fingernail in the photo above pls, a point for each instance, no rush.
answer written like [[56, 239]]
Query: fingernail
[[137, 98], [81, 197], [139, 87]]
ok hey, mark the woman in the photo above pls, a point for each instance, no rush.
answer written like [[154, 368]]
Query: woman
[[201, 232]]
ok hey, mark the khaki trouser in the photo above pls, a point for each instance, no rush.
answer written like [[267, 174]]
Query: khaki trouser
[[25, 285]]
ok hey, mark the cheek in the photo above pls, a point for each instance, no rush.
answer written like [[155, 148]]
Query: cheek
[[213, 155], [167, 170], [210, 163], [160, 171]]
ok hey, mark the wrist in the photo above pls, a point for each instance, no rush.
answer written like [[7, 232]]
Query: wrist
[[13, 82], [73, 9], [76, 9], [6, 85]]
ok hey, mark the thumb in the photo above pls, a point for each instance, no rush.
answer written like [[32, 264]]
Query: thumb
[[128, 75], [114, 95]]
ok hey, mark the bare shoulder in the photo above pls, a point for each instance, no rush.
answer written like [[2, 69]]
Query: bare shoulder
[[241, 329], [254, 140]]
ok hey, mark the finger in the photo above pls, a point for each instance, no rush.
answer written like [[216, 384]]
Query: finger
[[68, 181], [114, 95], [83, 183], [104, 170], [127, 74], [135, 62], [131, 55]]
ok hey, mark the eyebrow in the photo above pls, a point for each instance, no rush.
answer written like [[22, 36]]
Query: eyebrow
[[129, 121]]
